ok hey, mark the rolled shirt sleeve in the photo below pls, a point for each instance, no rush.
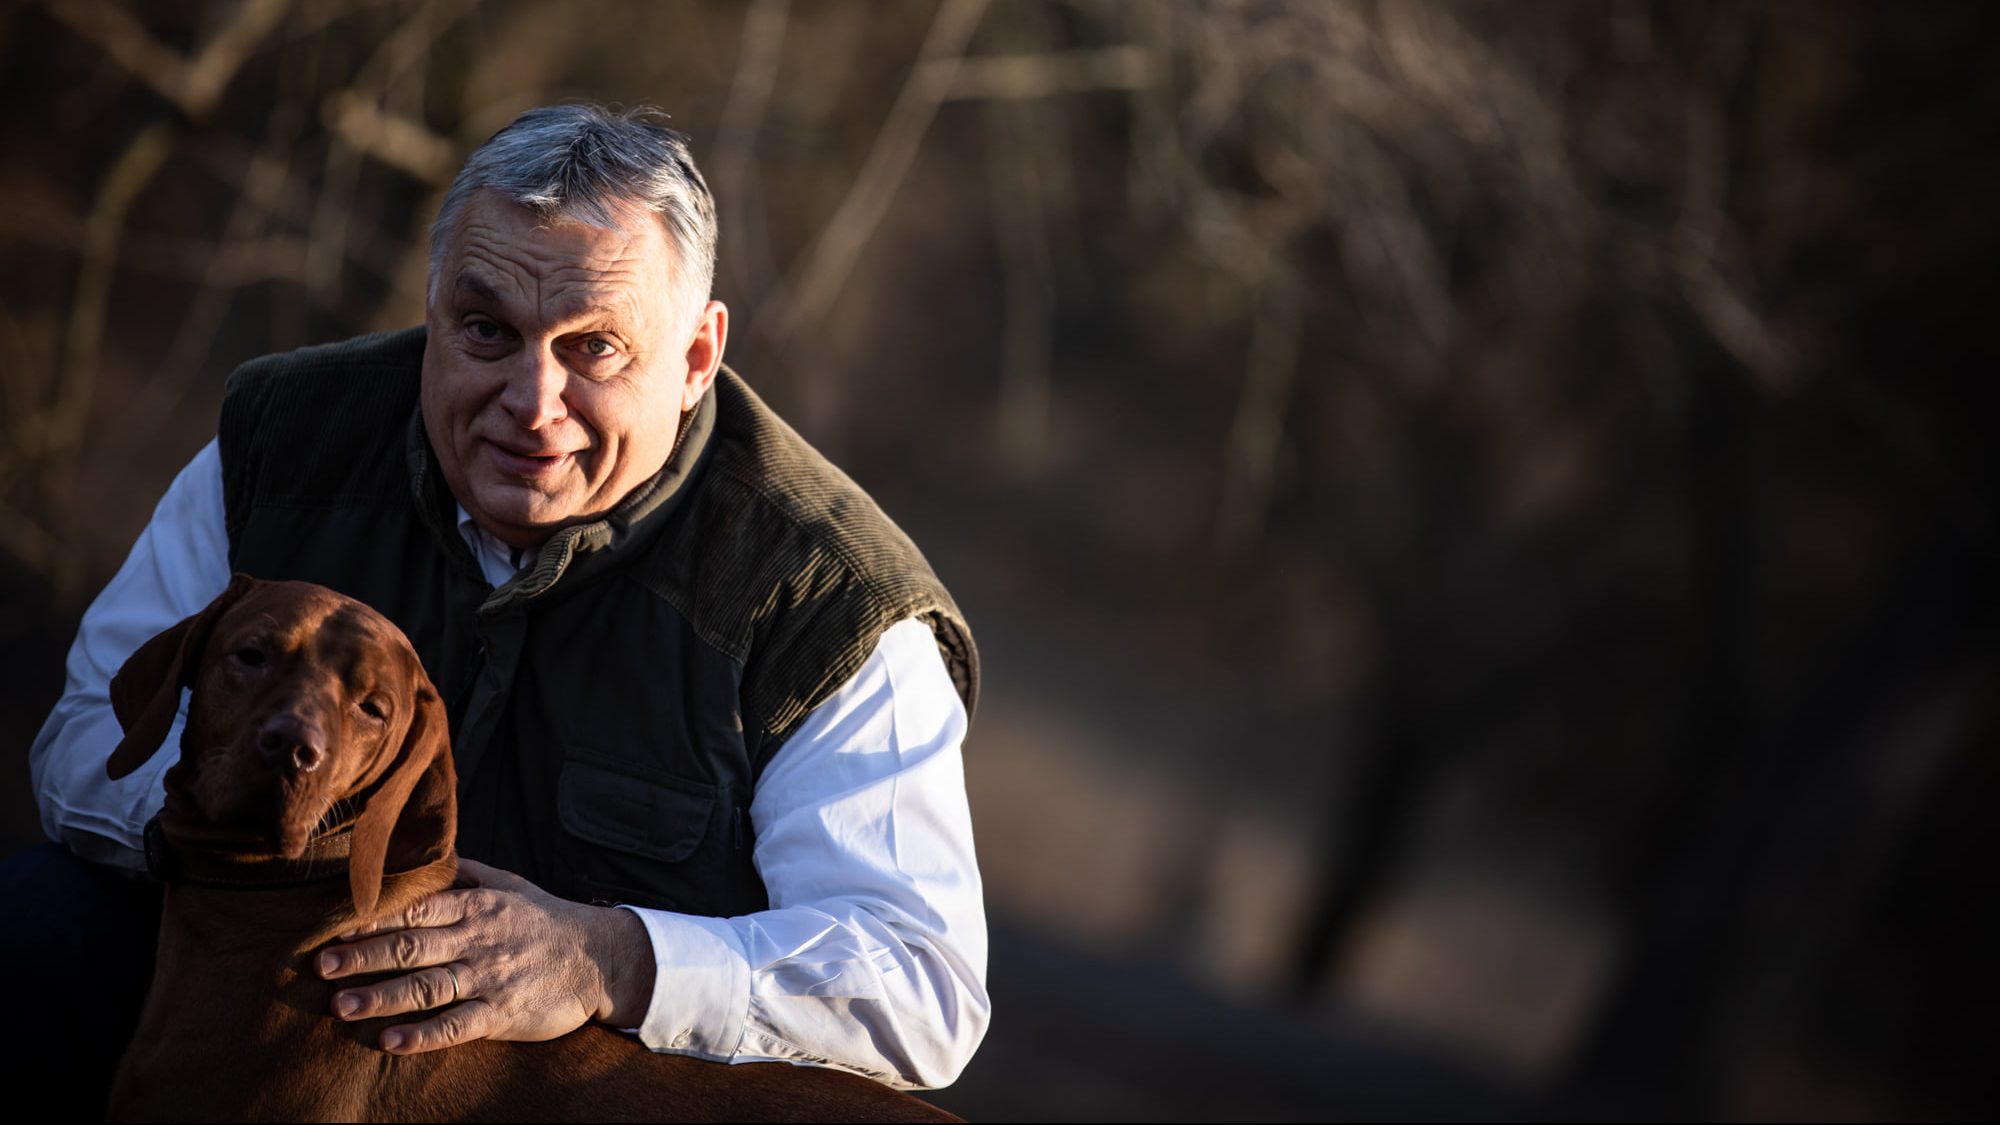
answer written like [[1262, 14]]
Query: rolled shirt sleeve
[[179, 564]]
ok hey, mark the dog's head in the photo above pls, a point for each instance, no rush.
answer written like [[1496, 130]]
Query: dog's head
[[310, 713]]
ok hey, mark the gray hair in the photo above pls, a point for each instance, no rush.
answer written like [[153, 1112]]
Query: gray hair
[[584, 163]]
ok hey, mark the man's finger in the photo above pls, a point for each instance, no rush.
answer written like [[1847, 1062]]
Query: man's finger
[[402, 949], [441, 909], [422, 991], [460, 1023], [472, 873]]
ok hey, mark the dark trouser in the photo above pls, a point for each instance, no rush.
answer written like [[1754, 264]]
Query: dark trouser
[[77, 948]]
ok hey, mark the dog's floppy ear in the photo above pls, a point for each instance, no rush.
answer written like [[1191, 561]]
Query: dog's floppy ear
[[146, 692], [420, 780]]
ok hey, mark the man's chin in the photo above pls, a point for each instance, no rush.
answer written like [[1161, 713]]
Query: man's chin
[[519, 515]]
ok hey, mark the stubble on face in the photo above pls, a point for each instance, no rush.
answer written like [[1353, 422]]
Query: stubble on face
[[552, 380]]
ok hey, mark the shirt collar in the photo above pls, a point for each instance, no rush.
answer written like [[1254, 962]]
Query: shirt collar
[[497, 561]]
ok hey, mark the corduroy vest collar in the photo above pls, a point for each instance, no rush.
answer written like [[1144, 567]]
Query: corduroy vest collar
[[580, 550]]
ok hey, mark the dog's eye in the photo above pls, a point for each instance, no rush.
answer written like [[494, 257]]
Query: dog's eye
[[251, 655], [373, 708]]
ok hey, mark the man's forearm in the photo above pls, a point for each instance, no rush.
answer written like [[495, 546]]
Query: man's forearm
[[873, 956], [830, 984], [99, 819], [179, 563]]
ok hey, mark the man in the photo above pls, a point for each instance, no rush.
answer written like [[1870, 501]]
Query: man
[[706, 699]]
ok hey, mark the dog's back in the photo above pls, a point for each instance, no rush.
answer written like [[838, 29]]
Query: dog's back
[[592, 1074], [596, 1074], [236, 1028]]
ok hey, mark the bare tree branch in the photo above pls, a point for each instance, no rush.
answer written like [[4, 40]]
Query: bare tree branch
[[1020, 233], [397, 141], [736, 134], [1051, 73], [827, 266], [1257, 432], [193, 84]]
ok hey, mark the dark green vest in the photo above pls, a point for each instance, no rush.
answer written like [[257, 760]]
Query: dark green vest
[[613, 704]]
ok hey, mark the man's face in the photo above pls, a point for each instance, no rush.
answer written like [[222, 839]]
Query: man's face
[[557, 365]]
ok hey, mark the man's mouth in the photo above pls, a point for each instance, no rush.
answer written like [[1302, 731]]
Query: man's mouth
[[530, 462]]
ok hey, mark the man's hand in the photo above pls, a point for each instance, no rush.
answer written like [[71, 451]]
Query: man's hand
[[496, 958]]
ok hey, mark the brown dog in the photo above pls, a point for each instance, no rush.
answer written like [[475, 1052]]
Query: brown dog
[[315, 787]]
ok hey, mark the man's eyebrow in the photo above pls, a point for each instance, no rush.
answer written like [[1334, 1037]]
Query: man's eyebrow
[[596, 312], [478, 287], [591, 310]]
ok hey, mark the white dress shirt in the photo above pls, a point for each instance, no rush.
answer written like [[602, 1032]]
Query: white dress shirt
[[872, 956]]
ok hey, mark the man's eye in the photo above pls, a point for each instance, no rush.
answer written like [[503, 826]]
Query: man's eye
[[485, 331], [597, 348]]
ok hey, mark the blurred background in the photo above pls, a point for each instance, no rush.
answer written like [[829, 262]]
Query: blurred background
[[1474, 513]]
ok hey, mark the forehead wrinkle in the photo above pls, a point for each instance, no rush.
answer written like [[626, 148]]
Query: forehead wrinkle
[[554, 290], [348, 638], [591, 303], [290, 635], [283, 633], [477, 286]]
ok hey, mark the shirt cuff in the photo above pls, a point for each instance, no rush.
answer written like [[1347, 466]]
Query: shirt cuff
[[701, 987]]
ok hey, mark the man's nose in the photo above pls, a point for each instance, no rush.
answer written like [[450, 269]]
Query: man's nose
[[534, 393]]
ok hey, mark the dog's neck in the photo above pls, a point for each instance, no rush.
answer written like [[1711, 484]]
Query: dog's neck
[[241, 923], [228, 954], [254, 891], [230, 868]]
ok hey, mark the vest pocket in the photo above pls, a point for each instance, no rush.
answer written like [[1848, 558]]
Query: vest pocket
[[630, 834]]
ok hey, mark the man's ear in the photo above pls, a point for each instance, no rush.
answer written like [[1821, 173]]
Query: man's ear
[[704, 353], [146, 692]]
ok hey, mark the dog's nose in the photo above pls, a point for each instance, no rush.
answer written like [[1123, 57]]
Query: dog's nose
[[289, 743]]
